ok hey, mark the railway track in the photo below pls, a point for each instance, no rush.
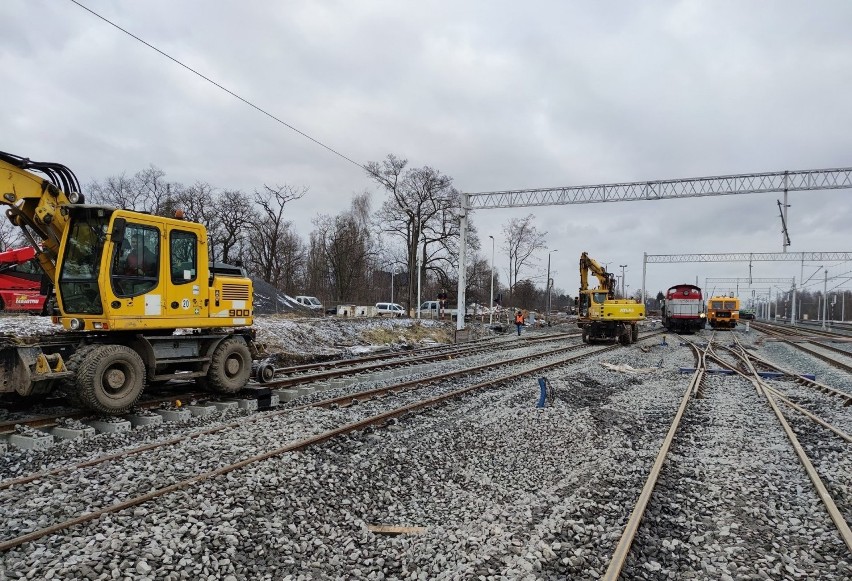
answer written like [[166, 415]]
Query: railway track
[[839, 358], [24, 526], [745, 367], [304, 374]]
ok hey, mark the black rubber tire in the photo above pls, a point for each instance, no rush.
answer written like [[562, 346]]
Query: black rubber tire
[[230, 366], [624, 338], [69, 386], [585, 335], [634, 334], [110, 379]]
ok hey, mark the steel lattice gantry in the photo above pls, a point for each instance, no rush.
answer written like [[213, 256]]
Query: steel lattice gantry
[[750, 257], [792, 281], [753, 183]]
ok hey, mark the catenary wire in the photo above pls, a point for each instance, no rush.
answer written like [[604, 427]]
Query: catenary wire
[[211, 81]]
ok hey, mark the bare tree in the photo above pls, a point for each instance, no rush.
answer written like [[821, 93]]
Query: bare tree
[[522, 241], [422, 209], [345, 244], [147, 191], [10, 236], [236, 216], [526, 294], [275, 251]]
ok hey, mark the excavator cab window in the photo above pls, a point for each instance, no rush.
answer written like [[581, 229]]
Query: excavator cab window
[[78, 278], [136, 261], [599, 298], [183, 248]]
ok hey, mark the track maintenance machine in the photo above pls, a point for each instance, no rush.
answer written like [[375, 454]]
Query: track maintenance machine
[[600, 315], [137, 296], [20, 282]]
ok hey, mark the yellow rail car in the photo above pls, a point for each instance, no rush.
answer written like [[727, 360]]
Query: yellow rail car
[[723, 312]]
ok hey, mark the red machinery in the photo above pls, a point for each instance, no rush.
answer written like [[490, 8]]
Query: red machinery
[[683, 309], [20, 282]]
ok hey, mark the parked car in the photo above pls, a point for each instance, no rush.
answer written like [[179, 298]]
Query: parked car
[[312, 303], [389, 310]]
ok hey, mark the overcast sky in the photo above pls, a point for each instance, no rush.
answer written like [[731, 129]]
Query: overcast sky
[[497, 95]]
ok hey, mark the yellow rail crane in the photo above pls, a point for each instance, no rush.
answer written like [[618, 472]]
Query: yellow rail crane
[[137, 296], [600, 315]]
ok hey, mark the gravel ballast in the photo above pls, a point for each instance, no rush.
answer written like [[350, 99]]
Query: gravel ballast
[[502, 490]]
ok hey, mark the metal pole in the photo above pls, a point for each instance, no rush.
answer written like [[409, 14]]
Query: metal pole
[[491, 304], [547, 302], [644, 273], [843, 307], [392, 273], [793, 312], [623, 287], [824, 297], [769, 305], [785, 229], [418, 280], [460, 307]]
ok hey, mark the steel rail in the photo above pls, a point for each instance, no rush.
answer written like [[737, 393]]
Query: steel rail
[[294, 446], [45, 421], [333, 373], [822, 491], [811, 383], [322, 403], [619, 556], [810, 415], [833, 512], [815, 335]]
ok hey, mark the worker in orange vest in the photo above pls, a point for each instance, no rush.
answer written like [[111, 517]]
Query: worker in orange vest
[[519, 321]]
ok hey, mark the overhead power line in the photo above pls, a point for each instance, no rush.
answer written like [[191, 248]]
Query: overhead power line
[[212, 82]]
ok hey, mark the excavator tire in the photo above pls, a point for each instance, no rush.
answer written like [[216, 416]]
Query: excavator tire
[[110, 379], [624, 338], [69, 385], [635, 333], [230, 366], [585, 335]]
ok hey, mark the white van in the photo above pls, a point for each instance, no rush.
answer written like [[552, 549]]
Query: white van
[[312, 303], [389, 310]]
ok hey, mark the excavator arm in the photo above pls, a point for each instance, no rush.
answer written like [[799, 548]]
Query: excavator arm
[[35, 203], [606, 280]]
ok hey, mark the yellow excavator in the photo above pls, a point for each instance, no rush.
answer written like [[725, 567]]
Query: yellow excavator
[[137, 295], [600, 315]]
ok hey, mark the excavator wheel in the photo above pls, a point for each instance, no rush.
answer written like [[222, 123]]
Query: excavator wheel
[[585, 335], [110, 378], [634, 333], [230, 366], [624, 338], [69, 385]]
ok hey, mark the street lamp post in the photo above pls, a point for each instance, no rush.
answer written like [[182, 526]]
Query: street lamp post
[[623, 288], [547, 314], [491, 304], [393, 272]]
